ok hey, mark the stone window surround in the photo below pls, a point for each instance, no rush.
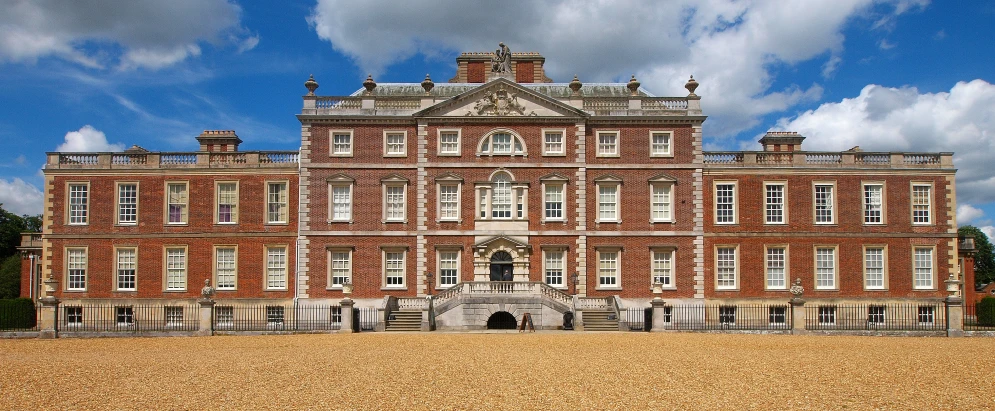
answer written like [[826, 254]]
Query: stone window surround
[[286, 266], [117, 267], [563, 142], [286, 202], [86, 203], [736, 266], [485, 195], [565, 249], [214, 266], [787, 266], [670, 144], [929, 199], [884, 201], [86, 267], [217, 202], [439, 249], [329, 275], [404, 143], [617, 143], [449, 179], [340, 180], [735, 201], [669, 249], [833, 203], [784, 201], [117, 202], [836, 267], [658, 181], [884, 265], [485, 140], [617, 250], [394, 248], [459, 142], [331, 142], [933, 268], [165, 267], [393, 181]]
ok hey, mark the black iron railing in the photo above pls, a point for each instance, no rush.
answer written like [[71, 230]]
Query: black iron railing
[[876, 317], [111, 317]]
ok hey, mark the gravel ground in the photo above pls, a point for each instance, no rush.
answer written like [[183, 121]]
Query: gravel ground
[[498, 371]]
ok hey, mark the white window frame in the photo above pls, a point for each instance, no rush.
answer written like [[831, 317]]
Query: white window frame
[[669, 144], [601, 206], [387, 144], [560, 183], [834, 280], [215, 267], [118, 203], [275, 273], [866, 207], [884, 267], [387, 184], [235, 208], [734, 206], [169, 270], [769, 265], [120, 266], [546, 151], [330, 255], [78, 211], [517, 145], [831, 203], [385, 252], [928, 205], [341, 181], [609, 278], [826, 312], [927, 312], [519, 198], [610, 147], [282, 203], [173, 315], [459, 141], [447, 182], [439, 252], [184, 206], [667, 271], [927, 283], [877, 315], [83, 265], [665, 207], [547, 267], [723, 282], [343, 152], [772, 206]]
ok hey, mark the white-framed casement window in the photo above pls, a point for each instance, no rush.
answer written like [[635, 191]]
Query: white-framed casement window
[[725, 194], [173, 315], [924, 268], [824, 202], [874, 204], [276, 267], [825, 267], [340, 198], [449, 142], [449, 186], [177, 200], [727, 314], [125, 316], [661, 143], [662, 267], [394, 266], [827, 315], [922, 195], [73, 315], [554, 191], [339, 266], [777, 315], [448, 263], [776, 264], [226, 207], [775, 202], [554, 259], [608, 144], [225, 267], [662, 198], [395, 190], [554, 142], [78, 206], [726, 267], [126, 268], [608, 189], [876, 314], [76, 268], [176, 268], [395, 143], [609, 264], [926, 314], [277, 207], [502, 198], [875, 267], [502, 142], [340, 144], [127, 203]]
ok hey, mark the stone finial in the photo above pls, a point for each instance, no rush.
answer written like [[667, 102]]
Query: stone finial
[[427, 84], [575, 85], [311, 85], [369, 84], [691, 85], [633, 85]]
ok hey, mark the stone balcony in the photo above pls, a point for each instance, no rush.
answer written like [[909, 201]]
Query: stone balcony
[[175, 160], [816, 159]]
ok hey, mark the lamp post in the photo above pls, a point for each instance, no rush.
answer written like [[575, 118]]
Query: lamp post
[[428, 286], [575, 277]]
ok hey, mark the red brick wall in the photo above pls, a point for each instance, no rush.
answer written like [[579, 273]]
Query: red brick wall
[[475, 72], [634, 145], [367, 196], [367, 266], [367, 144], [532, 136], [525, 72], [635, 263], [634, 200]]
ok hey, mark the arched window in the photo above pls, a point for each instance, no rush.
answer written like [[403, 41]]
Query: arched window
[[502, 143], [502, 198], [501, 204]]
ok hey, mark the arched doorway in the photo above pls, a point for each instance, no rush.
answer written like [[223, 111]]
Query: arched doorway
[[502, 268], [501, 320]]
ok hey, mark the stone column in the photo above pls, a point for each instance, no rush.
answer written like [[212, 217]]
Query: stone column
[[49, 327], [206, 327], [659, 310], [955, 308], [347, 307], [426, 315], [798, 316]]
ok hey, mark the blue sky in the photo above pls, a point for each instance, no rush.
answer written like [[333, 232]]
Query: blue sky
[[902, 75]]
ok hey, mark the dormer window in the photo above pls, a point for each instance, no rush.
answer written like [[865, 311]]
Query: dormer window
[[502, 143]]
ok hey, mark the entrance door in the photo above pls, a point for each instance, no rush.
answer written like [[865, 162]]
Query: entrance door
[[501, 267]]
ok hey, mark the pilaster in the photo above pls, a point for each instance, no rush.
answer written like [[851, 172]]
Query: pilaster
[[699, 213], [421, 243]]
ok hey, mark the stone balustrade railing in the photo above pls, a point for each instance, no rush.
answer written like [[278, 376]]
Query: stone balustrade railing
[[412, 303], [503, 288], [594, 303], [827, 159], [406, 105], [246, 159]]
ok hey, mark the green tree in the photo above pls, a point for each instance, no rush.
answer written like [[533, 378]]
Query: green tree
[[984, 259], [10, 277], [11, 227]]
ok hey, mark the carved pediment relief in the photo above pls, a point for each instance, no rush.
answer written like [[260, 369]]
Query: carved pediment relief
[[500, 102], [502, 98]]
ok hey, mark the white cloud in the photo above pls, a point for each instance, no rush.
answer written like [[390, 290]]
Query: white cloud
[[966, 214], [831, 65], [19, 197], [248, 44], [729, 46], [87, 139], [902, 119], [885, 45], [988, 230], [148, 33]]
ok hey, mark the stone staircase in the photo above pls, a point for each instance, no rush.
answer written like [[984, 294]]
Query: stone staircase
[[404, 321], [600, 321]]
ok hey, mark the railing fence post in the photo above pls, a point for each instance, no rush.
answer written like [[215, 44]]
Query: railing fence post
[[347, 316], [206, 325], [798, 316]]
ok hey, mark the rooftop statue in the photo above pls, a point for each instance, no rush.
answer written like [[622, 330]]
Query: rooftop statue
[[501, 62]]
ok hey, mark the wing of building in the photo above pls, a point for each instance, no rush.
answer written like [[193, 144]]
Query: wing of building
[[497, 193]]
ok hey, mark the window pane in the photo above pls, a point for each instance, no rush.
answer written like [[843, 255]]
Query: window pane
[[395, 203], [127, 204], [395, 144], [554, 142], [663, 268], [660, 203], [501, 197], [725, 203], [823, 204], [726, 267], [76, 265], [177, 199], [227, 201], [554, 202], [225, 268], [176, 269], [607, 202], [341, 267], [825, 268], [126, 266], [661, 144], [608, 269], [276, 203], [872, 203], [775, 268], [395, 268], [607, 144], [920, 204], [924, 268], [449, 143], [342, 144], [775, 203], [448, 268], [449, 202], [78, 203], [874, 268], [501, 143], [554, 268], [276, 267], [341, 203]]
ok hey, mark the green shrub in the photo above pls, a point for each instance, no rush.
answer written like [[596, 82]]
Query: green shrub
[[986, 311], [18, 313]]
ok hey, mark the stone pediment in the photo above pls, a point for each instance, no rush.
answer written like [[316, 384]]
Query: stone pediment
[[501, 98], [514, 243]]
